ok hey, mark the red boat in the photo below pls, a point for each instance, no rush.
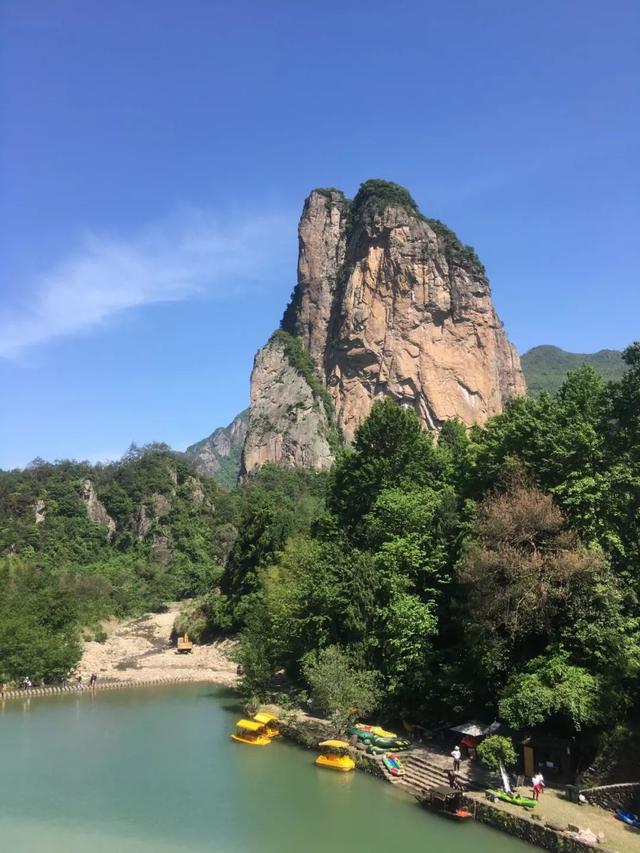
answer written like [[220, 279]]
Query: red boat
[[445, 801]]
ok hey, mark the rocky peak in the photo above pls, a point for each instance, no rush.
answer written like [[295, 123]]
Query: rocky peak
[[321, 255], [388, 303], [95, 508]]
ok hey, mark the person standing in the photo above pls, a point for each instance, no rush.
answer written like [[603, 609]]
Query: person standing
[[538, 785], [456, 755]]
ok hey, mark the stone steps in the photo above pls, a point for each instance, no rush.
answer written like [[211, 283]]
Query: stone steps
[[423, 772]]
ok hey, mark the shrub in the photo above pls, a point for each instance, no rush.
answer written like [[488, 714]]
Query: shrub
[[496, 750], [338, 688]]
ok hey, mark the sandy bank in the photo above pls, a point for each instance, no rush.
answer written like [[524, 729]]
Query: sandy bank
[[141, 650]]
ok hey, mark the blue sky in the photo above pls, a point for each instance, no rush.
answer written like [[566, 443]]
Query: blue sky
[[155, 155]]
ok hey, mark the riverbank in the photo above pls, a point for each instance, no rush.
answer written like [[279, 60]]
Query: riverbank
[[553, 826], [143, 655], [141, 650], [155, 771]]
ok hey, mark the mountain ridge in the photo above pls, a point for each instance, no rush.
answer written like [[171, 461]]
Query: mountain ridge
[[545, 366], [218, 455]]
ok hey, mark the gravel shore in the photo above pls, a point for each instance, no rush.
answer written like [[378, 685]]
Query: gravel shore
[[141, 650]]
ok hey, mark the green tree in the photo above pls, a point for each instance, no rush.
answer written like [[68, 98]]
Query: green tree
[[551, 687], [276, 504], [339, 688], [496, 750], [409, 628], [390, 449]]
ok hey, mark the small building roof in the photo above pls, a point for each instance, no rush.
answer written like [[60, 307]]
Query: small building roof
[[475, 729], [443, 791]]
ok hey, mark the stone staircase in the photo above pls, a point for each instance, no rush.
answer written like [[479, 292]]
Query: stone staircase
[[425, 769]]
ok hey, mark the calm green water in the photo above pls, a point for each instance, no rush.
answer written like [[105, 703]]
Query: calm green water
[[154, 770]]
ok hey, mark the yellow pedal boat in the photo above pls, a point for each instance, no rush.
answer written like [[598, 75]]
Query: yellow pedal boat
[[335, 756], [248, 731], [268, 721]]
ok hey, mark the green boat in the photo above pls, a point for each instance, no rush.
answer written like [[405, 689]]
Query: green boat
[[390, 743], [382, 743], [515, 799], [362, 735]]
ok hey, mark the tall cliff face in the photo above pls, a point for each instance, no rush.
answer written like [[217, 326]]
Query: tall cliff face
[[290, 420], [389, 303]]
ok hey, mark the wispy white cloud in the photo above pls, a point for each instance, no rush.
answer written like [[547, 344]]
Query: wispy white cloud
[[192, 253]]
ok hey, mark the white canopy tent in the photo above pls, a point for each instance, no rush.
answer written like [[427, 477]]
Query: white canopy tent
[[476, 729]]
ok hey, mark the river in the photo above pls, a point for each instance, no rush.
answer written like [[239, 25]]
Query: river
[[143, 770]]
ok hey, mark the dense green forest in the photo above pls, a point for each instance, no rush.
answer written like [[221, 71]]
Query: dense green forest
[[546, 367], [493, 571]]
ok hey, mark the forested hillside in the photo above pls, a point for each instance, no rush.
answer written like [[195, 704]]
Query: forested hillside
[[545, 367], [495, 572], [79, 543], [491, 572]]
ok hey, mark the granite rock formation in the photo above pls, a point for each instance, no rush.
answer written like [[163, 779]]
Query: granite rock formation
[[388, 303], [287, 423], [96, 510]]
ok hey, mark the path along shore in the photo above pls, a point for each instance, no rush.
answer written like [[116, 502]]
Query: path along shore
[[551, 826]]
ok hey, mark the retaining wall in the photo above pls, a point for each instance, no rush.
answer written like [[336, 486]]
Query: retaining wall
[[100, 685], [625, 796], [525, 829]]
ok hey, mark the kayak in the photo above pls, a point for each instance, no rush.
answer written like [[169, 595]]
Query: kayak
[[393, 764], [363, 736], [389, 742], [629, 818], [380, 732], [515, 799]]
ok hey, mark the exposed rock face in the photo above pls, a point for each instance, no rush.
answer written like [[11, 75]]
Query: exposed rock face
[[96, 510], [40, 511], [197, 492], [147, 514], [218, 455], [388, 303], [141, 522], [322, 242], [287, 424]]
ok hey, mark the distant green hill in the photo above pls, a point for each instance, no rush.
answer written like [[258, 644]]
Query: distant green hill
[[545, 367]]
